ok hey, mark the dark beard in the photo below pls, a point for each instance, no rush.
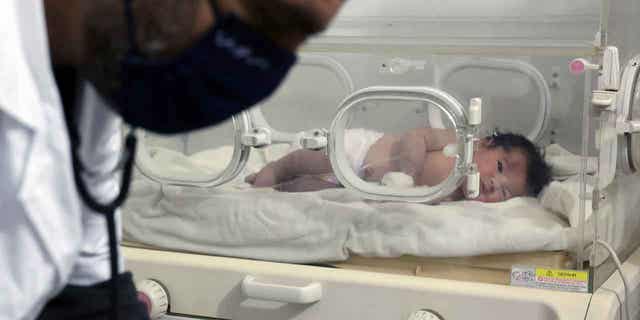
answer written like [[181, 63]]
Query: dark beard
[[164, 28], [106, 45], [274, 17]]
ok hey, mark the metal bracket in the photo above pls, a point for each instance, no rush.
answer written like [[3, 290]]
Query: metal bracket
[[257, 137], [314, 139]]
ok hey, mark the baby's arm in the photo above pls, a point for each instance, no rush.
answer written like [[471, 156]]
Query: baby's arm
[[297, 163], [412, 147]]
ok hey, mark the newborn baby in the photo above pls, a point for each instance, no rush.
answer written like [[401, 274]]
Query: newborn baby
[[509, 164]]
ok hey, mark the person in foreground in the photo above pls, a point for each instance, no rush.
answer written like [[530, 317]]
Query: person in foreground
[[509, 164], [70, 71]]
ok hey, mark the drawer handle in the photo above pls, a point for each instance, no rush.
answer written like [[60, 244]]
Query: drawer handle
[[255, 289]]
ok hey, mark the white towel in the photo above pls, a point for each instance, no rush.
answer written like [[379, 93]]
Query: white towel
[[330, 225], [563, 198], [565, 164]]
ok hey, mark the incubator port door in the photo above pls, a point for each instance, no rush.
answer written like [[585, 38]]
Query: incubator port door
[[189, 159], [383, 146], [215, 287]]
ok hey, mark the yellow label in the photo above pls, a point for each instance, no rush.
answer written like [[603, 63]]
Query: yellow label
[[552, 279], [562, 274]]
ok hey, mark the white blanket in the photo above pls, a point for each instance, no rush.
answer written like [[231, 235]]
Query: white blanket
[[332, 224], [565, 164]]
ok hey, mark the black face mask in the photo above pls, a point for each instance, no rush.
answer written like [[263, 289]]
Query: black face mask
[[231, 68]]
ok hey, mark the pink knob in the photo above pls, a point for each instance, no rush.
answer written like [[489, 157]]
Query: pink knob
[[577, 66]]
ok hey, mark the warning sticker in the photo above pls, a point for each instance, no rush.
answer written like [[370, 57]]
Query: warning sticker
[[554, 279]]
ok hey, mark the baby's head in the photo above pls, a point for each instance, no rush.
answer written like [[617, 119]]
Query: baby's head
[[510, 166]]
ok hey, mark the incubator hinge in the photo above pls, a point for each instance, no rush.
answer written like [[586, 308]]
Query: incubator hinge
[[256, 138], [314, 139], [604, 99]]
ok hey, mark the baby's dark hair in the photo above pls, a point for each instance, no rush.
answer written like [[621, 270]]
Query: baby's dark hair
[[538, 171]]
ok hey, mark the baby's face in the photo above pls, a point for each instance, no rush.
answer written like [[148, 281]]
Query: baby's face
[[503, 175]]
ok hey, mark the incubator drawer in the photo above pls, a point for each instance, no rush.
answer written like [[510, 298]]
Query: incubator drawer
[[218, 287]]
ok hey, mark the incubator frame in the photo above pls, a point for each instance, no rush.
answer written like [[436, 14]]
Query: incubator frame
[[465, 136], [241, 124], [253, 131]]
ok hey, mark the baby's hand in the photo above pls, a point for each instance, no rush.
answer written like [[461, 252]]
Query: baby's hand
[[266, 177]]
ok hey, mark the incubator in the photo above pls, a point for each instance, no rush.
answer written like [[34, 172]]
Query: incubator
[[389, 227]]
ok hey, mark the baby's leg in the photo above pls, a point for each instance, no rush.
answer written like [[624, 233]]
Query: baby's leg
[[294, 164], [266, 177]]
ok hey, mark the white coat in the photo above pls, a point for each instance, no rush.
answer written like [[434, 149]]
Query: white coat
[[48, 238]]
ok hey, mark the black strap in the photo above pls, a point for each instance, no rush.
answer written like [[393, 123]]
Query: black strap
[[68, 84], [108, 209], [131, 26]]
